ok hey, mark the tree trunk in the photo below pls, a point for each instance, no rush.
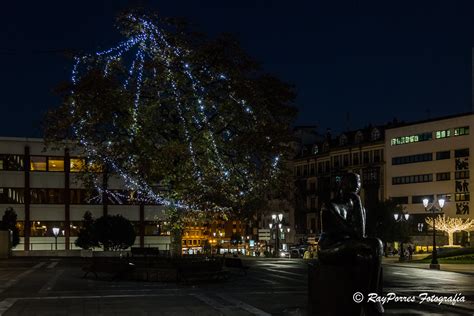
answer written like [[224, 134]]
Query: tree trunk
[[176, 249], [450, 238]]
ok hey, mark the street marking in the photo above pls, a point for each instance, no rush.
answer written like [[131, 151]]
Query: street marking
[[246, 307], [52, 265], [288, 278], [286, 272], [6, 304], [11, 282], [50, 284], [264, 280], [213, 303]]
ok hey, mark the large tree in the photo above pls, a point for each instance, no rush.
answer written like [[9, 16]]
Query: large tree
[[183, 120], [450, 225]]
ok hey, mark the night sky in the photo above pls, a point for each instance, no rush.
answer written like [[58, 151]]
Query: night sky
[[352, 62]]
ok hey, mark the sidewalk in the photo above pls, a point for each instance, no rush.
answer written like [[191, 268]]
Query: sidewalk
[[450, 267]]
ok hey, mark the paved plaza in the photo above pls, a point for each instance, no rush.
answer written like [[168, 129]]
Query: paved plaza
[[50, 286]]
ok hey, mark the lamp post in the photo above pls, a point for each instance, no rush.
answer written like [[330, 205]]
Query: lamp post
[[56, 233], [277, 224], [434, 256], [400, 218], [214, 239]]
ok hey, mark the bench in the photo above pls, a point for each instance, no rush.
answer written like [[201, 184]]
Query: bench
[[236, 263], [201, 271], [145, 251], [118, 268]]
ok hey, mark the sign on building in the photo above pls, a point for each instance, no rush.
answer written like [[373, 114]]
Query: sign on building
[[264, 234]]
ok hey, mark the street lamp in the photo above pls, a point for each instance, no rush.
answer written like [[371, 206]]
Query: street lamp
[[56, 233], [400, 218], [213, 241], [277, 222], [434, 256]]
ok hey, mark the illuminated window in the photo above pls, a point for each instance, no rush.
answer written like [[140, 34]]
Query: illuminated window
[[38, 163], [445, 196], [461, 196], [411, 139], [55, 164], [77, 164], [461, 131], [443, 134]]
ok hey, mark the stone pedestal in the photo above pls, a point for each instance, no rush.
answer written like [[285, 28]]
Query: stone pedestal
[[5, 244], [332, 288]]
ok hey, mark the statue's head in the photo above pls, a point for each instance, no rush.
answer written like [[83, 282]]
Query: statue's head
[[350, 182]]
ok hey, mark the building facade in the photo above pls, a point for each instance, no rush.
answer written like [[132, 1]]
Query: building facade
[[318, 169], [430, 159]]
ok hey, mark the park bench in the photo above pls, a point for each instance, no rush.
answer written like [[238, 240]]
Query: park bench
[[236, 263], [145, 251], [118, 268], [201, 271]]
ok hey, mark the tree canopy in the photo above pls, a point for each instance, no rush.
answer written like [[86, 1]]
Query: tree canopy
[[182, 119]]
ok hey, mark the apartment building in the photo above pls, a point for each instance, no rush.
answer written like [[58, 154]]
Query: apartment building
[[430, 159], [319, 168]]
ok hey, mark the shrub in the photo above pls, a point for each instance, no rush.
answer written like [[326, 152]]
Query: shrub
[[9, 223], [86, 238], [114, 232]]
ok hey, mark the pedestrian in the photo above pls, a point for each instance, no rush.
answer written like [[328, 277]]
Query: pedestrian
[[410, 252]]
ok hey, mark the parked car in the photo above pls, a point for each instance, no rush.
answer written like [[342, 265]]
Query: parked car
[[294, 253]]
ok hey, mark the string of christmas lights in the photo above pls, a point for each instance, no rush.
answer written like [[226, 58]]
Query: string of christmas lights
[[149, 44]]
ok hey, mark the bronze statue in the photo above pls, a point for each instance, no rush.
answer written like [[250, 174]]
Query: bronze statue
[[343, 241]]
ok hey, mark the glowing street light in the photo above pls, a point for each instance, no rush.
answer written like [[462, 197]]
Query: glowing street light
[[434, 256], [56, 233]]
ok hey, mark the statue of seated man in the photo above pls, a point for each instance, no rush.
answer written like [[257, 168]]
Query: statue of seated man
[[343, 240]]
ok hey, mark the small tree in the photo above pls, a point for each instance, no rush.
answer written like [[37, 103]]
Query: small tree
[[9, 223], [86, 238], [114, 232], [450, 225]]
